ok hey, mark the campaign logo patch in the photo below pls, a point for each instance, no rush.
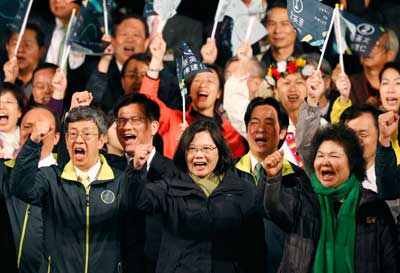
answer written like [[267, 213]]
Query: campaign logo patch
[[108, 197]]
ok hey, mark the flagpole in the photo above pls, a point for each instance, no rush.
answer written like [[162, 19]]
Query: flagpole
[[339, 38], [70, 23], [22, 30], [105, 12], [219, 7], [326, 40], [249, 28], [183, 107], [65, 58], [341, 62]]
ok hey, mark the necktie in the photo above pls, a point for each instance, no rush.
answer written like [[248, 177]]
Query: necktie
[[259, 170], [84, 179], [291, 141]]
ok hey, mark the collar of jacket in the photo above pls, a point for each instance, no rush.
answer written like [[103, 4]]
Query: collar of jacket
[[244, 164], [11, 162], [184, 185], [105, 173]]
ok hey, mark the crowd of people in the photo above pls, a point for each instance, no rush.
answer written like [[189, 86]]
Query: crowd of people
[[273, 166]]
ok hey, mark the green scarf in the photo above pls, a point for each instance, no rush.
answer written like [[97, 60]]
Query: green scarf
[[335, 252], [208, 183]]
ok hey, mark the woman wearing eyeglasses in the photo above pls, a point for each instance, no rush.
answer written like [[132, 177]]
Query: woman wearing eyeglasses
[[209, 208]]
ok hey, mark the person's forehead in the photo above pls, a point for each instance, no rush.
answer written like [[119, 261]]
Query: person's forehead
[[133, 63], [264, 111], [278, 14], [82, 124], [7, 94], [363, 122], [132, 109], [330, 146], [390, 72], [131, 23], [29, 36], [44, 74], [35, 115]]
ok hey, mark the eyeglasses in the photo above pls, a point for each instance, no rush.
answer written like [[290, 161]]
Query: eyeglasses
[[87, 136], [203, 149], [132, 121], [8, 102]]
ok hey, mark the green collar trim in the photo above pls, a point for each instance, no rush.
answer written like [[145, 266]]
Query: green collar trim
[[105, 173], [10, 163]]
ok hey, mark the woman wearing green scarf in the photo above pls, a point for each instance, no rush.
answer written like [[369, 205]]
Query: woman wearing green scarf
[[333, 224], [210, 211]]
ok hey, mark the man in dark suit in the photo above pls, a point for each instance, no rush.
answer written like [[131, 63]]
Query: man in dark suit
[[130, 36], [137, 124]]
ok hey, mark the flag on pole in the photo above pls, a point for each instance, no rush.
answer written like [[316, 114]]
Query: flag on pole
[[9, 11], [190, 65], [358, 35], [12, 13], [241, 16], [89, 28], [186, 67], [219, 14], [311, 20]]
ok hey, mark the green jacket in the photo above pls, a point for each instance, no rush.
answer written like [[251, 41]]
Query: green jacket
[[81, 229]]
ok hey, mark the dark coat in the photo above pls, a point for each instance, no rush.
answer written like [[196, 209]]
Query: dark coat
[[221, 233], [26, 223], [8, 259], [141, 233], [81, 228], [376, 248]]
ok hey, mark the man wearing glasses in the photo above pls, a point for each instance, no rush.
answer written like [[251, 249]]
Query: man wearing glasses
[[81, 202], [137, 126]]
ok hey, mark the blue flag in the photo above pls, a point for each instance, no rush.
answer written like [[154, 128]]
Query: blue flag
[[311, 20], [360, 36], [190, 66], [89, 28], [12, 13], [148, 9]]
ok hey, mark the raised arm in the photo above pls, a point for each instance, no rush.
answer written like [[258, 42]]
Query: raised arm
[[236, 91], [309, 120], [28, 182], [387, 160], [280, 201], [343, 102]]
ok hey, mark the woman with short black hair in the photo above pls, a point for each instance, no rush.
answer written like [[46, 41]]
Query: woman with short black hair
[[333, 223], [209, 209]]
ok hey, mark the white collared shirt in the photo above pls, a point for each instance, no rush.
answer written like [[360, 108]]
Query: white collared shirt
[[47, 161], [119, 65], [75, 59], [370, 181], [92, 173], [253, 162]]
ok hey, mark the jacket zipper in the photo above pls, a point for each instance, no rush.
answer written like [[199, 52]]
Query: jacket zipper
[[21, 241], [49, 264], [87, 232]]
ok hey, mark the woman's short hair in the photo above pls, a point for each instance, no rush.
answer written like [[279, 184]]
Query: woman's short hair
[[225, 159], [17, 92], [346, 138], [392, 65]]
